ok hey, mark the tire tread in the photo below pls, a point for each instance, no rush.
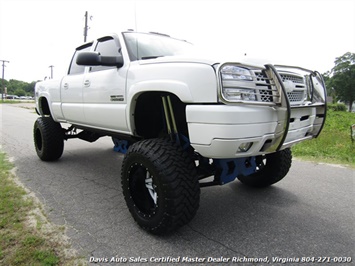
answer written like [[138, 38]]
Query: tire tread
[[180, 182], [276, 168], [52, 139]]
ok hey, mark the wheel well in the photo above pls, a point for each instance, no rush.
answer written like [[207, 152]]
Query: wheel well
[[149, 115], [44, 107]]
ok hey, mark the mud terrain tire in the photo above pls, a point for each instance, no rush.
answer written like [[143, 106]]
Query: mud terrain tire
[[271, 168], [48, 139], [160, 185]]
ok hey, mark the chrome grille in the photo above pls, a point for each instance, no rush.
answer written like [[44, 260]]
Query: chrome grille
[[296, 96], [260, 76], [262, 84], [294, 79], [266, 96]]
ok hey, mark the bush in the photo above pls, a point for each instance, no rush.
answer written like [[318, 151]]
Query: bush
[[337, 107]]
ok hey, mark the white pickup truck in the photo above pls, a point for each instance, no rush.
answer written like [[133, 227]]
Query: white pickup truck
[[178, 119]]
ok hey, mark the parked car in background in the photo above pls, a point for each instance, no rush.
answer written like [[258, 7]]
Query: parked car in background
[[12, 97]]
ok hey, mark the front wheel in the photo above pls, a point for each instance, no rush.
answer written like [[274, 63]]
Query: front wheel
[[160, 185], [270, 169]]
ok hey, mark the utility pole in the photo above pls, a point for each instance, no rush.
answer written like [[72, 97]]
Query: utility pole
[[2, 81], [51, 66], [86, 26]]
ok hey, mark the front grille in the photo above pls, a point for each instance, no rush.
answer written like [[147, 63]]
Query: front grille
[[260, 76], [298, 94], [262, 83], [266, 96], [294, 79], [295, 97]]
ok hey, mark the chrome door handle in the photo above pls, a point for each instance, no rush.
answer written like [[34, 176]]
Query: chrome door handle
[[87, 83]]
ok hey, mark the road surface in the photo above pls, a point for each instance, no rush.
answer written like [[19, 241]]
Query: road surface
[[307, 216]]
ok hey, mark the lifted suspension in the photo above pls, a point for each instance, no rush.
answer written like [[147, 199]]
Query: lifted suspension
[[71, 133]]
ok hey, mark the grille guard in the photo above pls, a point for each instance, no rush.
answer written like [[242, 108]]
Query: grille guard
[[316, 98]]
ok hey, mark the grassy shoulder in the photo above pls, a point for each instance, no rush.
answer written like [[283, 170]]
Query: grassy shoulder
[[15, 101], [334, 145], [26, 236]]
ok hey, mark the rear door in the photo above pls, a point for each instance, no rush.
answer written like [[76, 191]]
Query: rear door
[[72, 90], [104, 91]]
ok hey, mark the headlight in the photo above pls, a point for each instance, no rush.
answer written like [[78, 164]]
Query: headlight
[[237, 84], [234, 94], [236, 73]]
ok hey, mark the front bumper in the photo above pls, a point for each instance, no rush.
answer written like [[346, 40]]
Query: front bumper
[[225, 130], [218, 131]]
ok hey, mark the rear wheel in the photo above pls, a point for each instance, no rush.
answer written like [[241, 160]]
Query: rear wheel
[[160, 185], [48, 139], [270, 169]]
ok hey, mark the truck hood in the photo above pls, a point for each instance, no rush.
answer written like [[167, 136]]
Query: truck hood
[[178, 59], [205, 60]]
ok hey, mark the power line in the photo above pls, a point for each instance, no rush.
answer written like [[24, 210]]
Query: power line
[[2, 81]]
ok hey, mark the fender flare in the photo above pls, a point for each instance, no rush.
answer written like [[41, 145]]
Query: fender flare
[[177, 88], [39, 107]]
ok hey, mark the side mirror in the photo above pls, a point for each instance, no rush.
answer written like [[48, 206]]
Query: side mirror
[[95, 59]]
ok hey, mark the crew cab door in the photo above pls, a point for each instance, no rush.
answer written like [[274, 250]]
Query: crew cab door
[[72, 90], [104, 94]]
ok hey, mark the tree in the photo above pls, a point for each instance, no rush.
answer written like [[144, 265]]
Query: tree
[[20, 92], [330, 89], [19, 88], [343, 79]]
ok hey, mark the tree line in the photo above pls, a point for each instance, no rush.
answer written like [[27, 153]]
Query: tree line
[[18, 87]]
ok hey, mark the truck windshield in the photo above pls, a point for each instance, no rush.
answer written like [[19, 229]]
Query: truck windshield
[[143, 46]]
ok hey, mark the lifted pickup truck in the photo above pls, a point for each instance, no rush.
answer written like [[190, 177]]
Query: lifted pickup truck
[[178, 119]]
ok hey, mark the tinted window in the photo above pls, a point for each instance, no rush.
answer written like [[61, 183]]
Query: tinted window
[[106, 47], [74, 68]]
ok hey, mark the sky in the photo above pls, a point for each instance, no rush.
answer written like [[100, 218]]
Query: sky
[[35, 34]]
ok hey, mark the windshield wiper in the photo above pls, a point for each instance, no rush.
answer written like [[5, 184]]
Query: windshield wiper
[[151, 57]]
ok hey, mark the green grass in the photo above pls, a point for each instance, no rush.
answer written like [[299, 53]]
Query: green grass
[[15, 101], [334, 145], [21, 243]]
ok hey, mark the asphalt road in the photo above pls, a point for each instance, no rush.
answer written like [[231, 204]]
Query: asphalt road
[[308, 214]]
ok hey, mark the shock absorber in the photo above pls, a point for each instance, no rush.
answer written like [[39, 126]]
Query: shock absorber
[[170, 118]]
